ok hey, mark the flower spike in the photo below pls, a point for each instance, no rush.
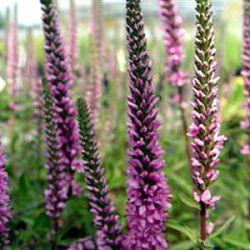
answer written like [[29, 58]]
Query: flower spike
[[246, 73], [56, 193], [148, 192], [207, 143], [102, 208], [58, 75], [5, 213]]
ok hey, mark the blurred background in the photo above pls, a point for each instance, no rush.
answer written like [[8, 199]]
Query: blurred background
[[21, 127]]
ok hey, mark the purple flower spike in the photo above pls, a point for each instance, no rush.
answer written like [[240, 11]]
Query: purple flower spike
[[207, 143], [94, 91], [83, 244], [13, 60], [173, 38], [96, 28], [246, 73], [95, 88], [5, 213], [56, 193], [102, 208], [148, 193], [71, 47], [59, 78]]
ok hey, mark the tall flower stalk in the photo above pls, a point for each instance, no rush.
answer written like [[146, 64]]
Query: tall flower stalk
[[94, 90], [207, 143], [96, 28], [6, 30], [246, 75], [13, 59], [58, 76], [173, 39], [5, 213], [72, 49], [31, 67], [12, 81], [56, 192], [148, 193], [102, 208]]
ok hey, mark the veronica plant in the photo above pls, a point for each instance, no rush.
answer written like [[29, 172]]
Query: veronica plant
[[246, 73], [96, 28], [13, 59], [56, 193], [5, 213], [173, 39], [148, 193], [60, 82], [94, 90], [207, 143], [102, 208], [72, 48]]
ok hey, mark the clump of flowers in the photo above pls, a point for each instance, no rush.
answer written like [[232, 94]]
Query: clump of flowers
[[94, 90], [148, 193], [207, 143], [246, 73], [56, 192], [173, 39], [71, 47], [31, 78], [5, 213], [96, 28], [102, 208], [60, 82], [83, 244], [13, 59]]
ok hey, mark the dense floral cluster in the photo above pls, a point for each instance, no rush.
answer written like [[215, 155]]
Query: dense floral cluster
[[173, 38], [207, 143], [148, 194], [5, 213], [246, 73], [95, 88], [56, 193], [13, 59], [59, 78], [71, 46], [83, 244], [102, 208]]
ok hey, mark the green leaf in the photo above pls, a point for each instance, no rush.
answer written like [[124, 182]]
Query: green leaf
[[189, 202], [191, 234], [181, 182], [238, 243], [183, 245], [223, 228], [23, 185]]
